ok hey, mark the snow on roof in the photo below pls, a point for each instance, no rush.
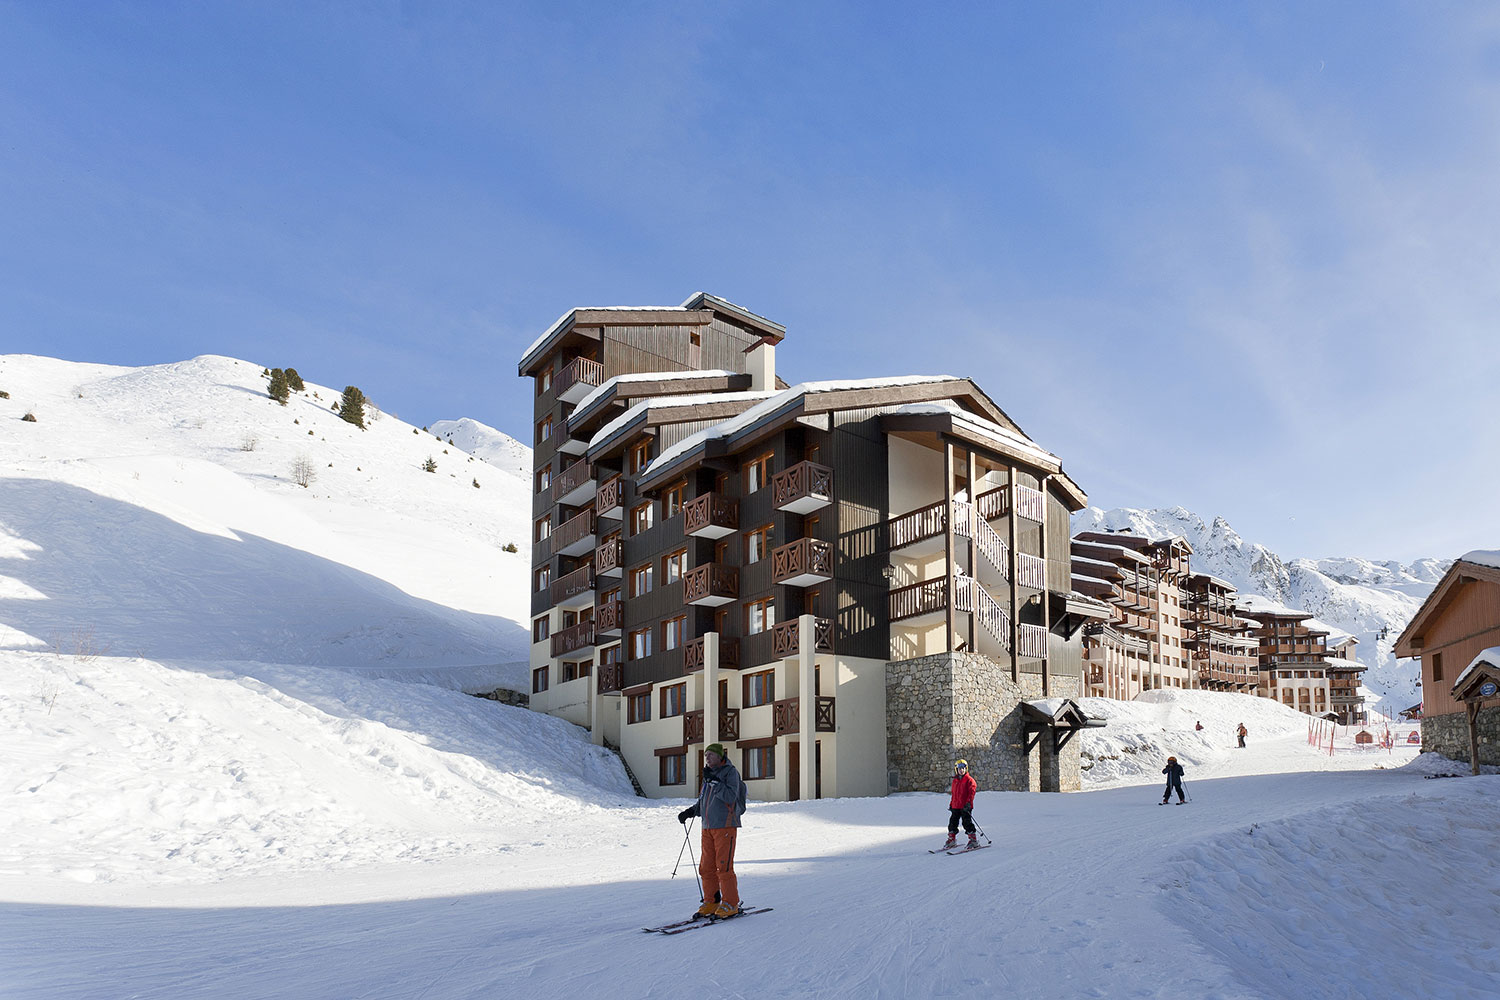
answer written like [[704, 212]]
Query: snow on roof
[[610, 383], [563, 319], [974, 422], [1486, 658], [1483, 557], [1123, 550], [1049, 705], [1216, 581], [619, 423], [1254, 604], [1092, 562], [728, 428], [1090, 579]]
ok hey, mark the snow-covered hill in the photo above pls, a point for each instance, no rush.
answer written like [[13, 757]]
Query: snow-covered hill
[[1359, 596], [484, 442]]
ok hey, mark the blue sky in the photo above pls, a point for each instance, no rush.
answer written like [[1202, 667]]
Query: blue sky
[[1238, 257]]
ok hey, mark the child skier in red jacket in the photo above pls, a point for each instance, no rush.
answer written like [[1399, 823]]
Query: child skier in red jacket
[[961, 804]]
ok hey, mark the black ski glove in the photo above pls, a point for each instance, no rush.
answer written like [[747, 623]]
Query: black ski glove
[[685, 815]]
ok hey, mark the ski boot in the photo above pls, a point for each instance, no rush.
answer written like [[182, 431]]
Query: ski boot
[[972, 844], [726, 910], [951, 843], [707, 909]]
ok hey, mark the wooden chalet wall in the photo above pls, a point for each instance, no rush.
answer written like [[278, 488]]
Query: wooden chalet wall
[[1469, 625]]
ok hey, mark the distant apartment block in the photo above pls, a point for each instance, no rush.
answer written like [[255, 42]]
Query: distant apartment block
[[846, 582]]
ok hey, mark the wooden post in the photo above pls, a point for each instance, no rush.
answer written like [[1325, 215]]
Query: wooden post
[[948, 534], [806, 650], [1015, 571], [1471, 709], [1046, 603], [973, 554], [711, 704]]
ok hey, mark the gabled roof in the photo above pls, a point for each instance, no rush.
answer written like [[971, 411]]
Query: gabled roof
[[1484, 667], [659, 410], [1472, 567], [620, 388], [1058, 713]]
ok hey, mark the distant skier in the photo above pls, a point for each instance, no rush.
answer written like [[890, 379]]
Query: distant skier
[[721, 803], [1173, 771], [961, 804], [1242, 732], [1198, 727]]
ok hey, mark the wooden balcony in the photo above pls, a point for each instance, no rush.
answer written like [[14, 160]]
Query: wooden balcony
[[729, 654], [711, 585], [916, 526], [919, 600], [786, 638], [1030, 504], [1031, 571], [575, 485], [611, 676], [609, 557], [577, 379], [692, 726], [575, 536], [803, 563], [575, 590], [802, 489], [576, 639], [569, 445], [786, 716], [607, 502], [1032, 641], [607, 617], [711, 515]]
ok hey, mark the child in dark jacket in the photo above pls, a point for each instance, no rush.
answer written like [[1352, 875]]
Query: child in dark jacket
[[1173, 771]]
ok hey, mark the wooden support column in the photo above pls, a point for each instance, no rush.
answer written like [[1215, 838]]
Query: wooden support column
[[711, 704], [1015, 574], [807, 694], [973, 554], [950, 569], [1471, 711], [1046, 600]]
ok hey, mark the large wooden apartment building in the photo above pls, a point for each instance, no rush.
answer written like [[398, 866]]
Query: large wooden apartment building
[[847, 583]]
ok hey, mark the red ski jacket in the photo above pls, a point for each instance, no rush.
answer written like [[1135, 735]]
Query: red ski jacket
[[964, 790]]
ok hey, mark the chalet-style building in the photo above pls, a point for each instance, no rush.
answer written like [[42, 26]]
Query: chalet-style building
[[1305, 664], [1168, 626], [1452, 632], [848, 583]]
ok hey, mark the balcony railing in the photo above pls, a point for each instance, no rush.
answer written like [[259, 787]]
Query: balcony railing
[[573, 639], [692, 726], [611, 677], [729, 654], [575, 535], [574, 590], [1030, 504], [1031, 571], [1032, 641], [575, 484], [917, 599], [786, 638], [607, 502], [711, 585], [803, 563], [803, 488], [607, 617], [917, 525], [786, 716], [577, 379], [711, 515], [609, 557]]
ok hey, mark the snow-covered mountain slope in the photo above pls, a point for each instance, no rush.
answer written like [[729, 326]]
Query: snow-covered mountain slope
[[484, 442], [157, 512], [1359, 596]]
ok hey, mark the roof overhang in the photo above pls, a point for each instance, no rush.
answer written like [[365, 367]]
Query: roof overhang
[[1459, 575], [586, 323]]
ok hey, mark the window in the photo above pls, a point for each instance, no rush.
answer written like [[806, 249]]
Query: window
[[695, 338], [543, 529], [544, 578], [760, 689], [671, 499], [760, 616], [638, 708], [573, 671], [673, 700], [674, 632], [758, 544], [1437, 666], [543, 480], [544, 380], [758, 472], [760, 762], [609, 595], [674, 769], [674, 566], [540, 629], [640, 580], [640, 643], [640, 456], [539, 678], [640, 518], [544, 430]]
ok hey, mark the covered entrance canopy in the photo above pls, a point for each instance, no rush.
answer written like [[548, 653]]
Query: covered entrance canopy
[[1479, 682]]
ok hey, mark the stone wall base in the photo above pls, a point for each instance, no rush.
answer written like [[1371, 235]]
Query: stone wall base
[[1449, 735]]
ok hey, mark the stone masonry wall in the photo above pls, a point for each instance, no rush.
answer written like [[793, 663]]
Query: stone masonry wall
[[1449, 735], [951, 705]]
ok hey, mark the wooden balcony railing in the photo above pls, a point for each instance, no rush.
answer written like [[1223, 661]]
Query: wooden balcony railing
[[729, 654], [729, 723], [571, 590], [611, 677], [573, 639], [803, 488], [1032, 641], [786, 637], [917, 525], [575, 534], [1031, 571], [607, 617], [577, 379], [575, 483], [994, 504], [803, 563], [786, 716], [607, 502], [1030, 504], [711, 515], [918, 599], [711, 584], [609, 557], [692, 726]]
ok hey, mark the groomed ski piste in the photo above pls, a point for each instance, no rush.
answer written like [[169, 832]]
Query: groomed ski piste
[[239, 762]]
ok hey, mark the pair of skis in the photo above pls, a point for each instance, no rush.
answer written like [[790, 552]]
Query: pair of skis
[[694, 922], [950, 851]]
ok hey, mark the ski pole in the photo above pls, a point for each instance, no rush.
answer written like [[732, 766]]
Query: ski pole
[[986, 836], [687, 845]]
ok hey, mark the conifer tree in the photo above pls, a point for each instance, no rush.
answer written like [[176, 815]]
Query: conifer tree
[[352, 406], [295, 381], [278, 390]]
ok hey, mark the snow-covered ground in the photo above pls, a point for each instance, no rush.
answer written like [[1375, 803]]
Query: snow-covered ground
[[237, 763]]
